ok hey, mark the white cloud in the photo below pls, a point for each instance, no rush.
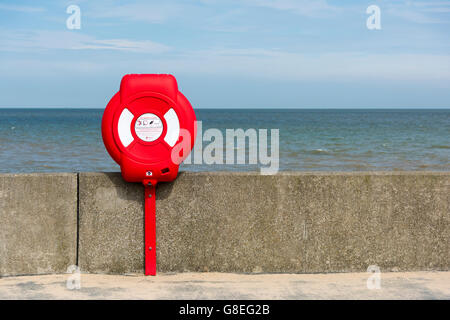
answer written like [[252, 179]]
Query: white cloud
[[73, 40], [428, 3], [309, 8], [26, 9], [145, 46], [342, 67], [274, 65], [420, 12], [147, 12], [414, 16]]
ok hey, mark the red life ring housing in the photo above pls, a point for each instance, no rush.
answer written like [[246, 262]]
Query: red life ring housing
[[142, 125]]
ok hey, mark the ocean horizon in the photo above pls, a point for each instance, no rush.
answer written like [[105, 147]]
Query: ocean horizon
[[319, 139]]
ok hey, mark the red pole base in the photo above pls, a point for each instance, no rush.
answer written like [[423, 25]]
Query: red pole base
[[150, 230]]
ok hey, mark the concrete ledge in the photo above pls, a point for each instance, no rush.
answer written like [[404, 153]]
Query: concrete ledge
[[38, 223], [292, 222]]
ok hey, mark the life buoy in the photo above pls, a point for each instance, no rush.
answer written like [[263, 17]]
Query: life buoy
[[142, 125]]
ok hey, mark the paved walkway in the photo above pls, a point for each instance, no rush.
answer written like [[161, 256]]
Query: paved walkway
[[408, 285]]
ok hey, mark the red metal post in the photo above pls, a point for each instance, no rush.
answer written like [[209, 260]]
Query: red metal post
[[150, 230]]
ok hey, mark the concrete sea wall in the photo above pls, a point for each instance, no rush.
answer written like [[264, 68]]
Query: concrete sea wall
[[227, 222], [38, 223]]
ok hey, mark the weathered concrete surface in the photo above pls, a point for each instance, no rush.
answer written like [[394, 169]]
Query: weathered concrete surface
[[38, 223], [393, 285], [291, 222], [111, 223]]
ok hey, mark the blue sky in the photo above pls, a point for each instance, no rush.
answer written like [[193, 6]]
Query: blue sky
[[229, 54]]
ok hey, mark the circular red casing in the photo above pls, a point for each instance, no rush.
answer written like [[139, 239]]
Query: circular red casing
[[140, 160]]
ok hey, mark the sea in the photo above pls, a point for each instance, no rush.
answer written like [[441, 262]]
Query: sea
[[70, 140]]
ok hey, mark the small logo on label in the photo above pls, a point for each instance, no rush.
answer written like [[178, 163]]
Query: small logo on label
[[148, 127], [149, 173]]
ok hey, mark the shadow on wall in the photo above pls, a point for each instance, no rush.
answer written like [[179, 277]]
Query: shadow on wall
[[127, 190]]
